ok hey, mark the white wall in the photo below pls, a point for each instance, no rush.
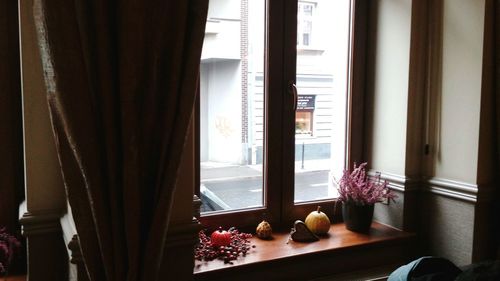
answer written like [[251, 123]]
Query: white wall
[[227, 9], [222, 40], [203, 112], [223, 97]]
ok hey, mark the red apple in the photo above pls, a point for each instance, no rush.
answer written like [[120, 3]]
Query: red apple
[[220, 238]]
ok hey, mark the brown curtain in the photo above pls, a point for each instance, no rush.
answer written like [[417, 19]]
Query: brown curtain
[[491, 104], [11, 139], [121, 81], [491, 82], [491, 85], [496, 89]]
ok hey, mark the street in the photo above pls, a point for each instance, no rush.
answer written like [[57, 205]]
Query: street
[[245, 192]]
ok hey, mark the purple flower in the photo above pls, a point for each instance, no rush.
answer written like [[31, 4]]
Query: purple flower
[[360, 189]]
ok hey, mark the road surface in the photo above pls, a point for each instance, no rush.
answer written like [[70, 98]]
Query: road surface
[[246, 192]]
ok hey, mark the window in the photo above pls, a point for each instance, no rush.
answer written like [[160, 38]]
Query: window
[[273, 118], [305, 23]]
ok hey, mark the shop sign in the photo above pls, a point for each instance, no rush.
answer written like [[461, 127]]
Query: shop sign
[[305, 102]]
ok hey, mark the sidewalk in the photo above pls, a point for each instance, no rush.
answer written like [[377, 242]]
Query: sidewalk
[[214, 171], [210, 171]]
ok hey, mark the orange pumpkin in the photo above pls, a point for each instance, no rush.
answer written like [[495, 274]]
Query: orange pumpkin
[[318, 222]]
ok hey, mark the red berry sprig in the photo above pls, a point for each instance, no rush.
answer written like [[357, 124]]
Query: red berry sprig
[[240, 245]]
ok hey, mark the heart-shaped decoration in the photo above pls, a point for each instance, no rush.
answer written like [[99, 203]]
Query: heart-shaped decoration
[[300, 233]]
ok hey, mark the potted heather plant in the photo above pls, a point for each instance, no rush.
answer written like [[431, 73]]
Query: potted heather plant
[[9, 245], [358, 193]]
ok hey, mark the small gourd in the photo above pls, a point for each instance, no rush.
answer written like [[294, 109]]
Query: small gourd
[[264, 230], [318, 222]]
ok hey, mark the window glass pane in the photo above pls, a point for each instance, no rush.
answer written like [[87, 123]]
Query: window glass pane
[[322, 88], [232, 106]]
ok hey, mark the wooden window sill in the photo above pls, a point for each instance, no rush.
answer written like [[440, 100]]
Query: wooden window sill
[[340, 251]]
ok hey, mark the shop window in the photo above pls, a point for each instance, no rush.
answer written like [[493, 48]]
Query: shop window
[[304, 115]]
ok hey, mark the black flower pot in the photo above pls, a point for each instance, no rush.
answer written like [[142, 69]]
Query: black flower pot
[[357, 218]]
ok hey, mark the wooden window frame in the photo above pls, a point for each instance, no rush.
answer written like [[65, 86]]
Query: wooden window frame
[[280, 67]]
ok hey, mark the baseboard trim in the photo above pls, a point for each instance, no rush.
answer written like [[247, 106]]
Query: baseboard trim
[[453, 189], [398, 182], [445, 187]]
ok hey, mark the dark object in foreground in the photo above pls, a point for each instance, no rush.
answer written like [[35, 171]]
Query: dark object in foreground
[[440, 269], [483, 271]]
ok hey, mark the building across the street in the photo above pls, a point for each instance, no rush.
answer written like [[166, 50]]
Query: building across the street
[[232, 80]]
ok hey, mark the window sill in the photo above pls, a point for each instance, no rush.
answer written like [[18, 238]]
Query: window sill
[[340, 252]]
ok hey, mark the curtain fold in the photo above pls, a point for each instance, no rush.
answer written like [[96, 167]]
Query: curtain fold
[[491, 82], [121, 82], [491, 90], [496, 89]]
